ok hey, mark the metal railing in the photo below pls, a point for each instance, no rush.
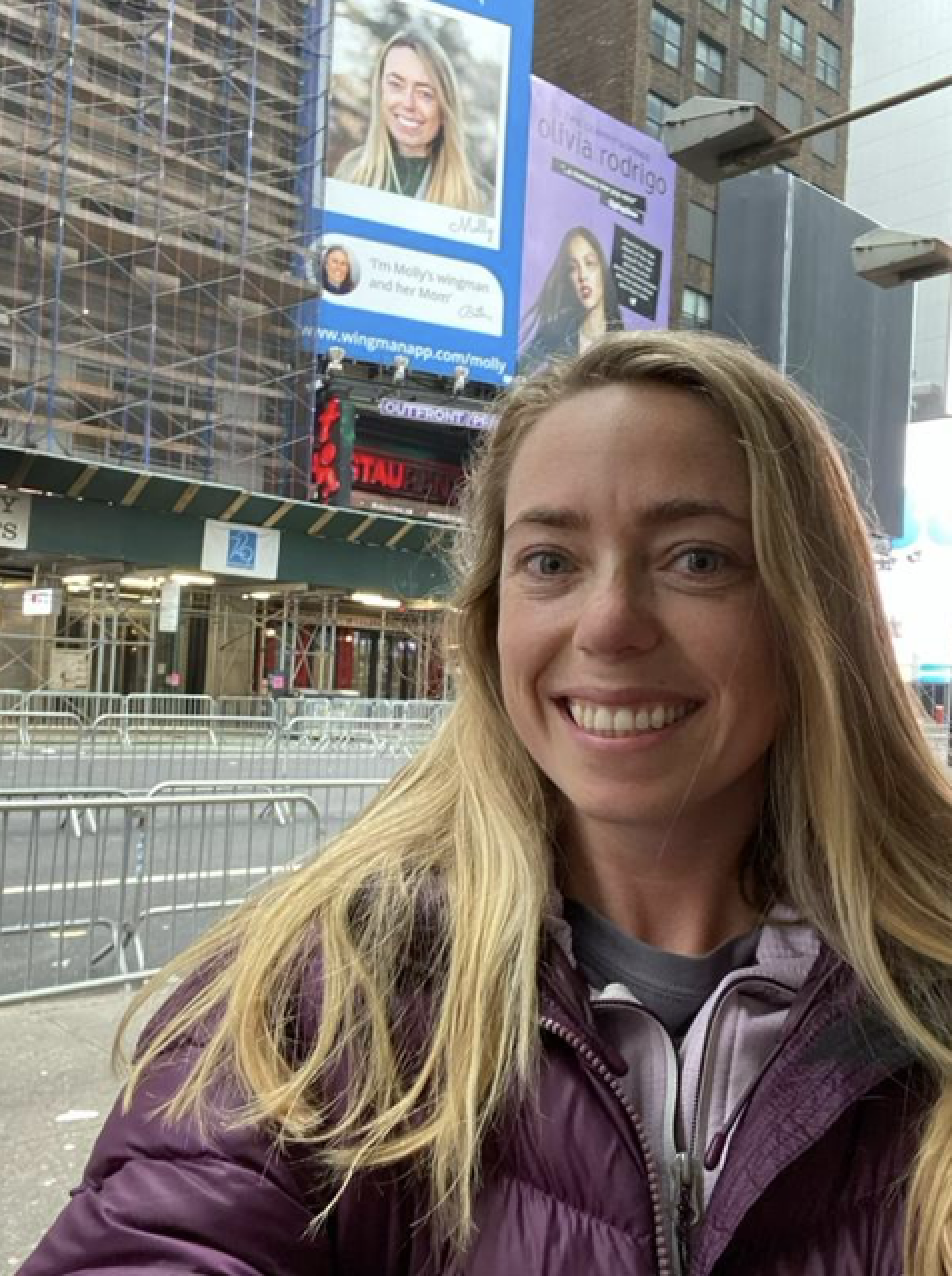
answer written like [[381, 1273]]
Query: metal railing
[[44, 749], [97, 889]]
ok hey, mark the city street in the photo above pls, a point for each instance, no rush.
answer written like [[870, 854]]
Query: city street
[[57, 1089]]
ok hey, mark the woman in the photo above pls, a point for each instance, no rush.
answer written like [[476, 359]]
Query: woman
[[727, 1052], [576, 305], [337, 275], [415, 144]]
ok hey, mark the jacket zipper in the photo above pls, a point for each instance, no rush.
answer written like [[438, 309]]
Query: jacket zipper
[[666, 1261], [689, 1165], [685, 1166]]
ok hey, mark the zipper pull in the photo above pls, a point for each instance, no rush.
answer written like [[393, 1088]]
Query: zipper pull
[[688, 1181]]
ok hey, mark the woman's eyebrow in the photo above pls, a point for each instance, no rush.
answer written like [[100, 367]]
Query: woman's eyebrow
[[565, 520], [660, 513], [679, 508]]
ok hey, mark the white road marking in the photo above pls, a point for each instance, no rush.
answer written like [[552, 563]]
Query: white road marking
[[156, 879]]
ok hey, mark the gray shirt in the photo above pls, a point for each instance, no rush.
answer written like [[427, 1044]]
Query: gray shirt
[[670, 985]]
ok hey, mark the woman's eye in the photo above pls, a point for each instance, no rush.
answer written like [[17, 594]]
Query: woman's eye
[[545, 562], [703, 562]]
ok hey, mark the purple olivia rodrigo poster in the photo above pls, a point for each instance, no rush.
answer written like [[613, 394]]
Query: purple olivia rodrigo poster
[[598, 229]]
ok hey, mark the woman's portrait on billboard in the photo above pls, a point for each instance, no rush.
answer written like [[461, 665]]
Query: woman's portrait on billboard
[[339, 271], [577, 303], [424, 123]]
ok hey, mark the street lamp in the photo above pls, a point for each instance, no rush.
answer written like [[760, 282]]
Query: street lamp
[[718, 138], [892, 257], [715, 138]]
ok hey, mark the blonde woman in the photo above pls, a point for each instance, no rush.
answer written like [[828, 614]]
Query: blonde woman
[[643, 965], [415, 143]]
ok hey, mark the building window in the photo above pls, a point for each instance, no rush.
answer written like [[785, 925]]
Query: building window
[[751, 84], [793, 37], [695, 309], [753, 17], [709, 64], [834, 6], [667, 34], [789, 108], [721, 6], [824, 144], [829, 60], [656, 113], [700, 235]]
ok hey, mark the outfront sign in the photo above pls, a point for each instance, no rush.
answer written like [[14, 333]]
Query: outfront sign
[[436, 413], [417, 210]]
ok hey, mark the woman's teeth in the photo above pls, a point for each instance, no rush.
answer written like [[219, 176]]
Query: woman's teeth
[[624, 720]]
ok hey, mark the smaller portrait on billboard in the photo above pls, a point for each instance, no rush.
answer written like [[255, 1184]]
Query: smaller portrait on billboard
[[340, 272], [416, 125]]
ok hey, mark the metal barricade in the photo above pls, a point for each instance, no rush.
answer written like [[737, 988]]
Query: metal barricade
[[86, 705], [137, 752], [245, 707], [174, 704], [10, 699], [40, 749], [342, 747], [338, 801], [83, 905]]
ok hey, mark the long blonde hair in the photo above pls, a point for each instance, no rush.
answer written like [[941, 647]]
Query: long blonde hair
[[372, 164], [458, 848]]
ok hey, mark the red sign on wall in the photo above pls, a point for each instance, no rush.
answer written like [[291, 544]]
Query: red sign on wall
[[430, 481], [325, 456]]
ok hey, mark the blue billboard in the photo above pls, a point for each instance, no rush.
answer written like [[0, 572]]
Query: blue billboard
[[416, 215]]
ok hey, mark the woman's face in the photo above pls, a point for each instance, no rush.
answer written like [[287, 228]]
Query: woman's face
[[637, 661], [336, 267], [585, 271], [411, 108]]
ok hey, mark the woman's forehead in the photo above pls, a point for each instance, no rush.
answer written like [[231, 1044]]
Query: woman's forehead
[[632, 442], [409, 61]]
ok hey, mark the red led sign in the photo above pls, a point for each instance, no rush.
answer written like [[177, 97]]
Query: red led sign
[[325, 457]]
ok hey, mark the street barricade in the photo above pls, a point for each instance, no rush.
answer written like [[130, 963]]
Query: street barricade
[[44, 748], [114, 894], [39, 748]]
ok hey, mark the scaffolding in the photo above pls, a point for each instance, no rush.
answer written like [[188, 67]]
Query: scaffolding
[[157, 158]]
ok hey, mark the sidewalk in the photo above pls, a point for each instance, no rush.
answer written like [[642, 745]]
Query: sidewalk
[[56, 1090]]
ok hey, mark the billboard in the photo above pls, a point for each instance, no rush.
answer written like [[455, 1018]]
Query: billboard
[[598, 228], [417, 210]]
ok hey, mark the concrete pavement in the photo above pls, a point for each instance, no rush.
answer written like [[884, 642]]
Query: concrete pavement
[[56, 1090]]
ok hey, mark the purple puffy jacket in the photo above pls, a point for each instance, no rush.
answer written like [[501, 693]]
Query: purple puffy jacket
[[811, 1184]]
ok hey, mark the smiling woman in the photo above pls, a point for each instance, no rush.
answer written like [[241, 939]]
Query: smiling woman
[[416, 144], [637, 660], [643, 965]]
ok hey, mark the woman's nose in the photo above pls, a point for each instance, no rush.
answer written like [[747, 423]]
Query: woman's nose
[[618, 617]]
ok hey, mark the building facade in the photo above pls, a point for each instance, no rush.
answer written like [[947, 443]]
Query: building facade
[[150, 200], [639, 60], [900, 163], [157, 161]]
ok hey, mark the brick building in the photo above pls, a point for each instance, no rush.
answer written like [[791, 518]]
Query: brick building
[[637, 59]]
